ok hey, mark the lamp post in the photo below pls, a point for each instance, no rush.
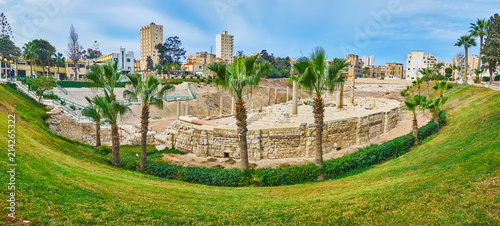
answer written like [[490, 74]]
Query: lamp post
[[47, 67], [10, 73], [1, 67], [5, 60]]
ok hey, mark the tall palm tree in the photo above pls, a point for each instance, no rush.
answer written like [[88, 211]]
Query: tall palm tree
[[413, 104], [466, 41], [419, 82], [454, 68], [316, 77], [107, 77], [93, 112], [479, 29], [478, 71], [30, 53], [442, 87], [58, 60], [426, 75], [150, 94], [435, 107], [240, 78], [110, 109]]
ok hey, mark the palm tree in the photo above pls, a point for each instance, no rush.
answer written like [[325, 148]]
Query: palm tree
[[315, 77], [110, 109], [93, 112], [454, 68], [30, 53], [442, 87], [149, 94], [413, 104], [466, 41], [479, 29], [107, 77], [426, 75], [435, 107], [240, 78], [478, 71], [419, 82], [58, 60]]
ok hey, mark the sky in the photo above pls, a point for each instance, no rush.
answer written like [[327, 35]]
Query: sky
[[387, 29]]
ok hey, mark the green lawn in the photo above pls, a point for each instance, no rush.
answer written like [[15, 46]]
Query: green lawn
[[452, 178]]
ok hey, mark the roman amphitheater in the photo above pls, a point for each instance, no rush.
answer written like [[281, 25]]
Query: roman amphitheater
[[203, 125]]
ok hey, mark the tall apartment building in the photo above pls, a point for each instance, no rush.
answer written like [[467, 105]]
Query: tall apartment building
[[394, 70], [355, 67], [224, 47], [368, 60], [151, 35], [417, 60]]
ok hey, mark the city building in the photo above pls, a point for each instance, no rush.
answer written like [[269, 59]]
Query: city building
[[196, 63], [224, 47], [151, 35], [417, 60], [126, 61], [377, 72], [355, 67], [368, 60], [394, 70], [92, 54]]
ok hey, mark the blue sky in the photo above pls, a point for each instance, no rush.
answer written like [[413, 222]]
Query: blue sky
[[387, 29]]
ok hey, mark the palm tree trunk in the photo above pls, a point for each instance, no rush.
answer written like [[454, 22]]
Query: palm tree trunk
[[418, 86], [241, 122], [98, 133], [466, 62], [318, 120], [481, 51], [144, 135], [31, 68], [415, 128], [436, 119], [427, 82], [115, 140], [491, 77], [342, 95]]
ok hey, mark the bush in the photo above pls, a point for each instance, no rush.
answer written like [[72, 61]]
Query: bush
[[81, 84], [51, 96], [496, 78], [103, 150], [12, 85], [486, 79]]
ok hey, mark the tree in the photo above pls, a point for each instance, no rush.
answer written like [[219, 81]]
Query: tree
[[171, 51], [240, 53], [150, 94], [466, 41], [479, 29], [316, 77], [435, 107], [75, 51], [240, 78], [438, 67], [366, 71], [30, 53], [44, 51], [448, 72], [149, 64], [419, 82], [478, 71], [442, 87], [491, 49], [106, 77], [265, 56], [59, 61], [110, 109], [92, 111], [454, 68], [427, 75], [413, 104], [5, 31], [41, 85], [8, 50]]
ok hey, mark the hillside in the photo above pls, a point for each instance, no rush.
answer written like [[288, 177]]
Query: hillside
[[453, 178]]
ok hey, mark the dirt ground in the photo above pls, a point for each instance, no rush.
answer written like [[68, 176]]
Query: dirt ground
[[209, 99]]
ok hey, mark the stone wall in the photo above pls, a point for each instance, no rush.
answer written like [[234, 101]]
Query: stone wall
[[284, 142]]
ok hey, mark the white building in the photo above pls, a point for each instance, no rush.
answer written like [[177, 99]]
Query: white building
[[368, 60], [125, 60], [224, 47], [418, 60]]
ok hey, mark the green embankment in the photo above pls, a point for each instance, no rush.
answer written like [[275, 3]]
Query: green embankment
[[452, 178]]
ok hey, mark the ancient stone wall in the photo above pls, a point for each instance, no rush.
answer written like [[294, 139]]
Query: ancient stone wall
[[283, 142]]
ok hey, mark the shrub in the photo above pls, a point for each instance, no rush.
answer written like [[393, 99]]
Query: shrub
[[496, 78], [130, 162], [103, 150], [486, 79], [12, 85], [290, 175]]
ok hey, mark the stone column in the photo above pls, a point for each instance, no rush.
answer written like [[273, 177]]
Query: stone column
[[221, 106], [232, 105], [352, 89], [275, 95], [178, 108], [295, 97], [187, 109], [268, 96]]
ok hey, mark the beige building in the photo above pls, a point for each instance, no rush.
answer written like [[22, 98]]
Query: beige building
[[394, 70], [151, 35], [224, 47], [377, 72], [355, 67], [23, 69], [417, 60]]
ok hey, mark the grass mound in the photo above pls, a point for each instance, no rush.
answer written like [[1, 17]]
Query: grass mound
[[452, 178]]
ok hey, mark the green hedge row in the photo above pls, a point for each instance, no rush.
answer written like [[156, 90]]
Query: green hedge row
[[331, 169], [81, 84]]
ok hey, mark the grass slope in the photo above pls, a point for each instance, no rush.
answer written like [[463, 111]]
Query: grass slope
[[453, 178]]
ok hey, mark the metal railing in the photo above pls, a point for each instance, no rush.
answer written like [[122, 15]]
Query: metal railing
[[192, 92], [62, 89], [175, 98]]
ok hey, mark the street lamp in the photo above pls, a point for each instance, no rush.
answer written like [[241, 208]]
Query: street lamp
[[5, 60], [47, 71]]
